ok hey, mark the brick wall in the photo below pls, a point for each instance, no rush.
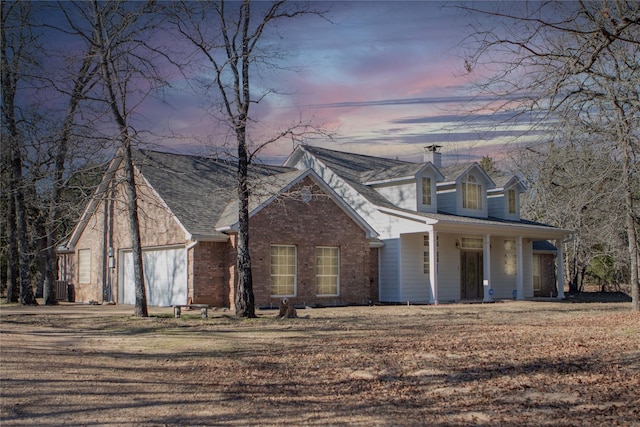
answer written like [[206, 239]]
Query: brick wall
[[157, 228], [321, 222], [210, 274]]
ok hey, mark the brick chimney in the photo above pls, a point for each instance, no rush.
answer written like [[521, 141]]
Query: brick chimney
[[432, 154]]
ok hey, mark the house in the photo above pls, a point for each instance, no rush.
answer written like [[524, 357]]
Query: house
[[328, 227], [447, 233], [306, 243]]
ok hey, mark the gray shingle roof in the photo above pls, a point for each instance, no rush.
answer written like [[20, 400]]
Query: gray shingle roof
[[196, 189], [354, 167]]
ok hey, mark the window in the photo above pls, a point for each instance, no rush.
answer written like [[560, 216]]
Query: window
[[471, 243], [283, 270], [84, 266], [512, 201], [471, 194], [426, 269], [510, 257], [327, 270], [537, 281], [426, 191]]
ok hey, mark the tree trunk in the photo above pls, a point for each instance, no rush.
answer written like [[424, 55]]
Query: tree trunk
[[26, 290], [12, 248], [630, 226], [119, 115], [244, 297], [134, 228]]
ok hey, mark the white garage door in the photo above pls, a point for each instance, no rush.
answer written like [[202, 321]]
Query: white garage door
[[165, 276]]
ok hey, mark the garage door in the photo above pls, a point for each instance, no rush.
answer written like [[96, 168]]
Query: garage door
[[165, 274]]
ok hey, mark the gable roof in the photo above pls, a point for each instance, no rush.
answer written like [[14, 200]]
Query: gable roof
[[196, 189], [267, 189], [353, 168], [201, 192]]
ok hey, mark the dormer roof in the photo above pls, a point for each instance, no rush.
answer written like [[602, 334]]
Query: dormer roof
[[507, 182], [399, 173], [457, 172]]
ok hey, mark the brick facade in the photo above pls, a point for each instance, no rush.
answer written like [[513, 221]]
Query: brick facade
[[320, 222], [108, 226], [211, 265]]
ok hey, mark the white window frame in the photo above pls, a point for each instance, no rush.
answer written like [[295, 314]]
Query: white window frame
[[331, 274], [475, 243], [472, 194], [512, 202], [536, 268], [283, 271], [426, 266], [426, 191], [84, 265], [510, 261]]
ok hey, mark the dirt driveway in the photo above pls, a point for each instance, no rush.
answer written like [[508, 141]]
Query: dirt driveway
[[512, 363]]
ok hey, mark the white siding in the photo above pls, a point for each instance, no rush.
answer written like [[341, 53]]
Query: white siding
[[447, 201], [496, 205], [433, 207], [448, 268], [503, 284], [499, 206], [402, 195], [389, 273], [415, 284]]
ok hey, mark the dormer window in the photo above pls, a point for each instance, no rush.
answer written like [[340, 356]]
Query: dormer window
[[471, 194], [426, 191], [512, 201]]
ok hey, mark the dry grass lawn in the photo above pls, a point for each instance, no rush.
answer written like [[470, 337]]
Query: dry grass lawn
[[510, 363]]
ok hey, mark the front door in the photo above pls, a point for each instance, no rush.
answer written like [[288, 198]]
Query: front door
[[471, 275]]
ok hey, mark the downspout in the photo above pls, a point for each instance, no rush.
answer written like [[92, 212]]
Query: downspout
[[187, 249]]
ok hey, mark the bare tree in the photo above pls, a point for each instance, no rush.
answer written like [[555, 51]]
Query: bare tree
[[118, 35], [83, 79], [570, 63], [228, 36], [17, 40]]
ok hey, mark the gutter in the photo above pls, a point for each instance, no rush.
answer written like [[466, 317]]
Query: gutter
[[192, 244]]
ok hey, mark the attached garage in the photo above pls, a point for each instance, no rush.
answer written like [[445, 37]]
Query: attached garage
[[165, 274]]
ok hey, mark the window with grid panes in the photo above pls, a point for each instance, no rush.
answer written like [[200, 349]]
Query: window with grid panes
[[283, 270], [327, 270]]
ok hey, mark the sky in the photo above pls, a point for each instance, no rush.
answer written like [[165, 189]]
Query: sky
[[385, 77]]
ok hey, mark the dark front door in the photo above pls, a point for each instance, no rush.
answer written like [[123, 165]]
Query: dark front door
[[471, 275]]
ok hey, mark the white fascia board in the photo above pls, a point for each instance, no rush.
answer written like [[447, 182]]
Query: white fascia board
[[408, 215], [408, 178], [220, 237], [371, 233], [530, 231]]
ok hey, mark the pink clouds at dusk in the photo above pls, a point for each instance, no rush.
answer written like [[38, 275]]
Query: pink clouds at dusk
[[371, 71], [384, 77]]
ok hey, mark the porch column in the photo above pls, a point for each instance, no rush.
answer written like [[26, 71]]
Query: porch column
[[519, 269], [486, 268], [560, 276], [433, 266]]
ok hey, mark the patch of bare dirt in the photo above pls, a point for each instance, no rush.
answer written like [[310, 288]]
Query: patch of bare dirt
[[513, 363]]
